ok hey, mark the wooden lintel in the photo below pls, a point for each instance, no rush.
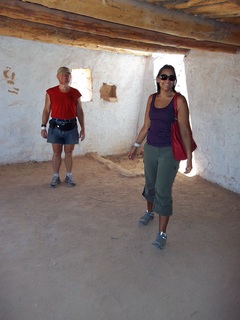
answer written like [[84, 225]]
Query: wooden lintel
[[144, 16]]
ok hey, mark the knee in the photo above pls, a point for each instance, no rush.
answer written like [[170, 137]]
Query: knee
[[68, 150], [68, 153], [57, 154]]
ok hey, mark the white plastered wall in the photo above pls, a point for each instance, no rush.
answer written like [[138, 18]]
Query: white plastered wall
[[28, 68], [213, 82]]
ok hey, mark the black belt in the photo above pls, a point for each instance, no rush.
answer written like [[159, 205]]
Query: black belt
[[64, 121]]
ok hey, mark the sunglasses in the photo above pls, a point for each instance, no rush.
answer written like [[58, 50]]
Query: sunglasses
[[172, 77]]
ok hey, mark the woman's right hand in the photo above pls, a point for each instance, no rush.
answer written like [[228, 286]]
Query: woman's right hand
[[132, 153]]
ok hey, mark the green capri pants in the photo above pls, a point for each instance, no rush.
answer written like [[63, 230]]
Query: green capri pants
[[160, 170]]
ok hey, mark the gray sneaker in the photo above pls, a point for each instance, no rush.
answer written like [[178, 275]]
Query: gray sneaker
[[55, 182], [160, 241], [146, 218], [69, 180]]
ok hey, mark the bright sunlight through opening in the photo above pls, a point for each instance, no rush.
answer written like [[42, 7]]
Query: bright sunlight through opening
[[82, 80]]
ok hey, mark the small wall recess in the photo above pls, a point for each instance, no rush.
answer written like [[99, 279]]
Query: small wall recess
[[108, 92]]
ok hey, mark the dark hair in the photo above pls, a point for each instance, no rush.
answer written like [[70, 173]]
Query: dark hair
[[166, 66]]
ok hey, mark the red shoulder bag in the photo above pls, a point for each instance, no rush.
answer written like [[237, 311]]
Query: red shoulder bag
[[179, 152]]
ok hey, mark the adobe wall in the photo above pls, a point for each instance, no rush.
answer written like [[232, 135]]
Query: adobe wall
[[213, 81], [28, 68]]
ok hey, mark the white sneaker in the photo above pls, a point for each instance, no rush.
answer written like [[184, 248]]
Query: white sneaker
[[55, 181], [69, 180]]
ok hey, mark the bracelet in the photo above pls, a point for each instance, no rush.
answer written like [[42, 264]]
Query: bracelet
[[43, 127], [137, 145]]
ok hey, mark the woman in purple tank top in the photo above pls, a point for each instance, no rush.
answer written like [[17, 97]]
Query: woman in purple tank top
[[160, 167]]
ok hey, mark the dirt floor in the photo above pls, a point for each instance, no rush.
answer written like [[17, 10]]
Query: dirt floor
[[80, 254]]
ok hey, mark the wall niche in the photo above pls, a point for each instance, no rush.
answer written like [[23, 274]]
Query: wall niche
[[108, 92]]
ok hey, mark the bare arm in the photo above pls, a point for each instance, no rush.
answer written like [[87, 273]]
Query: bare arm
[[45, 114], [144, 130], [184, 126], [80, 116]]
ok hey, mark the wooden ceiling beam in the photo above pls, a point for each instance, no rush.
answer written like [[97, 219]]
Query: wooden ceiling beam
[[144, 16], [34, 13], [43, 33]]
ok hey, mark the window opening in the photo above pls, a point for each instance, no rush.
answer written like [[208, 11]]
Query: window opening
[[82, 80]]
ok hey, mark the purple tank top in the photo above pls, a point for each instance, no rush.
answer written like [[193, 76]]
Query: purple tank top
[[159, 133]]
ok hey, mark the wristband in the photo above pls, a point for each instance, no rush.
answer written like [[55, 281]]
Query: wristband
[[137, 145], [43, 127]]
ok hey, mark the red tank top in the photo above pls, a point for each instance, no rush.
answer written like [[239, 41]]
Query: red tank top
[[63, 104]]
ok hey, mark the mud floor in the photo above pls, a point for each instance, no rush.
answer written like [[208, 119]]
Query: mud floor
[[80, 253]]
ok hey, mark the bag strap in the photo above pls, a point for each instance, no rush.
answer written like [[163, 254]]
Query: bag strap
[[175, 105]]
